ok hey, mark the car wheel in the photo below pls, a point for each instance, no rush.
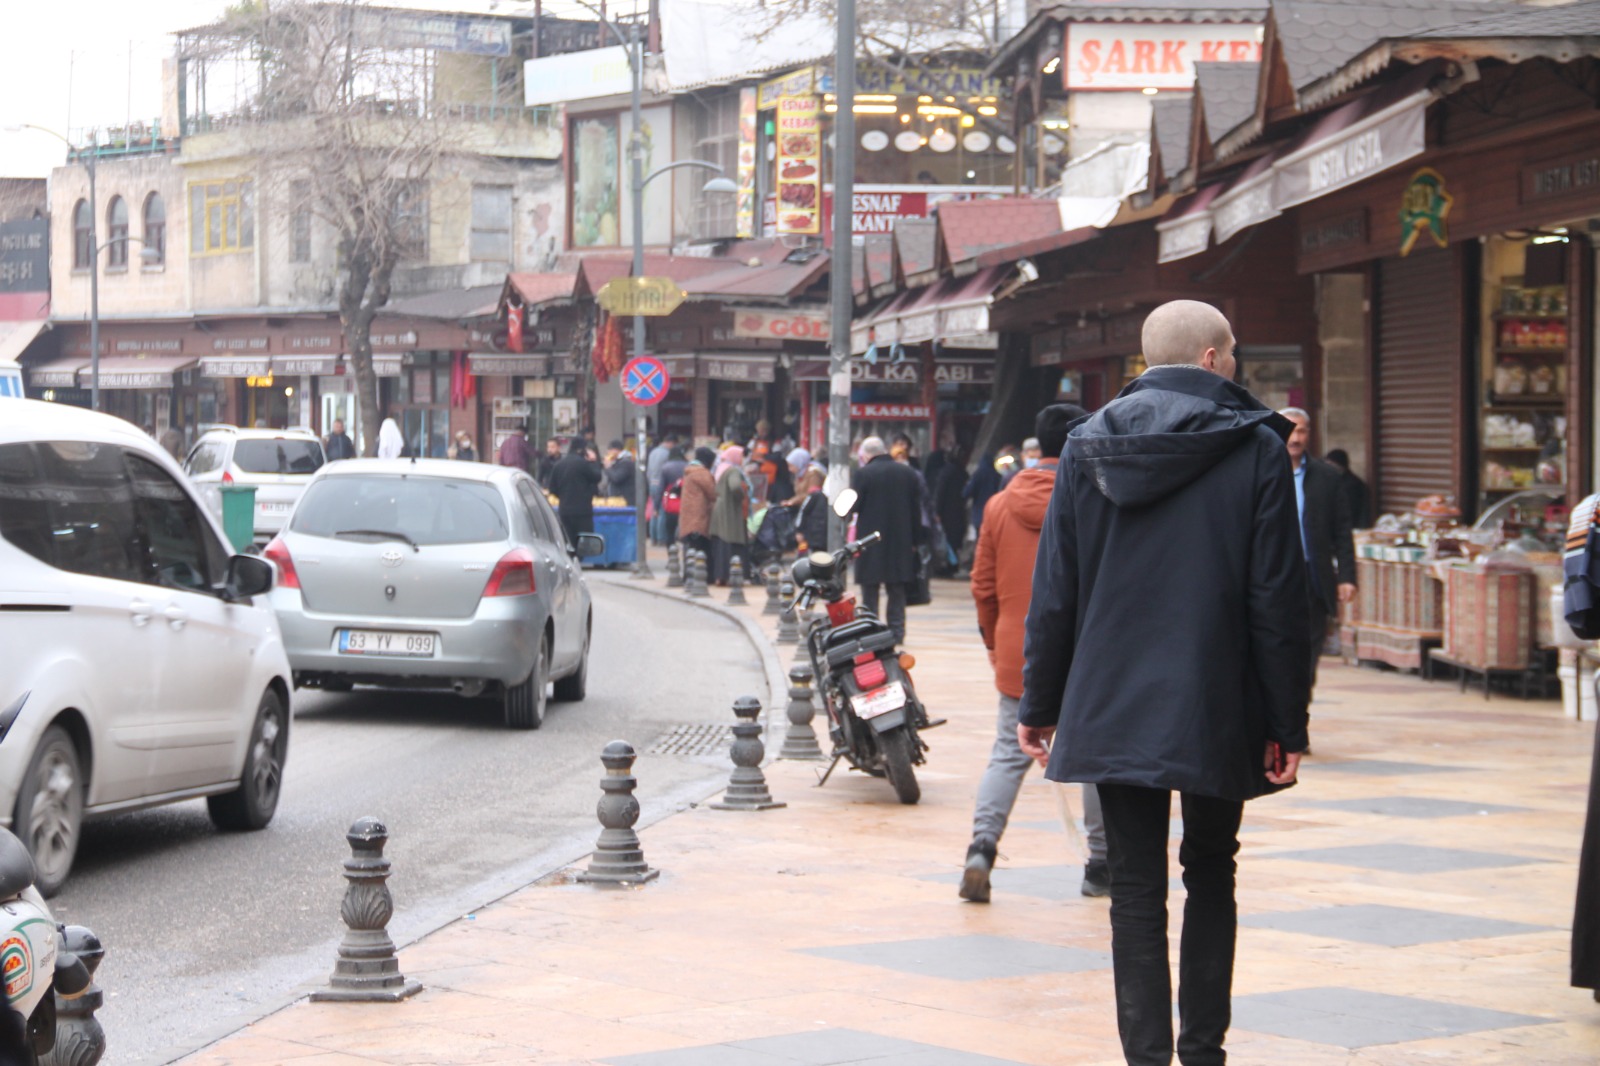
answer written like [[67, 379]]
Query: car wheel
[[573, 687], [255, 801], [524, 703], [49, 814]]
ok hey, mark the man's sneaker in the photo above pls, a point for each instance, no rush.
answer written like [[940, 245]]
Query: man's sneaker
[[1096, 880], [975, 875]]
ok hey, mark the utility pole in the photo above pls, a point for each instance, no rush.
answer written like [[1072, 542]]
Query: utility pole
[[841, 289], [641, 563]]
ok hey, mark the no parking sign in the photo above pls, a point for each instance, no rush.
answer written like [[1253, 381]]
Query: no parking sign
[[645, 380]]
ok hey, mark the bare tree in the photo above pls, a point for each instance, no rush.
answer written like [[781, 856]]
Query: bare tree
[[342, 123], [898, 35]]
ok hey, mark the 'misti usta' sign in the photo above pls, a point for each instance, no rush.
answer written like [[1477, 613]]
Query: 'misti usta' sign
[[1345, 156]]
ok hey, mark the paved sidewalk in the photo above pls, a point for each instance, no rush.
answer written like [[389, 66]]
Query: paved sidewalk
[[1408, 903]]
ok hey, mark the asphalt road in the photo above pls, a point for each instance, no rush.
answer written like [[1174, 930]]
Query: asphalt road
[[206, 931]]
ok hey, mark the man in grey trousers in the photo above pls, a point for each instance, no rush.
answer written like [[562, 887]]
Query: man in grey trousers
[[1002, 585]]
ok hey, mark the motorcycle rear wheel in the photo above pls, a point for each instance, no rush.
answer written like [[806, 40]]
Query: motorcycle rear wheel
[[897, 758]]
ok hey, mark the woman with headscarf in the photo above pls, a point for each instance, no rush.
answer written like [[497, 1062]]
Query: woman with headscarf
[[699, 496], [391, 442], [729, 517]]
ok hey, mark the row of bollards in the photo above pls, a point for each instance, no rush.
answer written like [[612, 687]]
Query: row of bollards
[[368, 968]]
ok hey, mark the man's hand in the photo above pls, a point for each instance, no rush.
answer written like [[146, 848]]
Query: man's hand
[[1291, 765], [1035, 741], [1347, 591]]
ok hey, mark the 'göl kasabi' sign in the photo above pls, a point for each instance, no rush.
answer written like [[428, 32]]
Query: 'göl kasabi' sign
[[1135, 55]]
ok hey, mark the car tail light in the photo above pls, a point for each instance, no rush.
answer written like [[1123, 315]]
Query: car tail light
[[513, 575], [869, 671], [227, 477], [278, 553]]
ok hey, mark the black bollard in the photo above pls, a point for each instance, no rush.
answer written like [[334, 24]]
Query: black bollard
[[788, 622], [747, 786], [700, 589], [774, 604], [674, 566], [368, 970], [736, 584], [80, 1039], [618, 859], [800, 742]]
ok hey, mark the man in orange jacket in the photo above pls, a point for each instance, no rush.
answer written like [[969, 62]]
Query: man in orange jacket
[[1002, 585]]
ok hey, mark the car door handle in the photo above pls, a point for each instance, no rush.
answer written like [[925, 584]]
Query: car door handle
[[139, 611], [176, 616]]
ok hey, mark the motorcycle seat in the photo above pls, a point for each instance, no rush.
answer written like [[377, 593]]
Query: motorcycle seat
[[16, 866], [851, 640]]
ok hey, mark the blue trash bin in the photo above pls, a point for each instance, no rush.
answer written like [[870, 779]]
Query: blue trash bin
[[617, 525]]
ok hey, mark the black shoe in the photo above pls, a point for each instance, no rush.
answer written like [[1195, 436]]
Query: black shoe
[[975, 876], [1096, 880]]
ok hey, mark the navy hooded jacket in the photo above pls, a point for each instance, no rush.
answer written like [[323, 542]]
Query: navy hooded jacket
[[1168, 637]]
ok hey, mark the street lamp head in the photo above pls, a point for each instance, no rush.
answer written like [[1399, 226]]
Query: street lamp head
[[149, 255], [720, 185]]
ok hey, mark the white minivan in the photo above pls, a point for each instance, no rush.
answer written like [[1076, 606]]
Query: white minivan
[[152, 662]]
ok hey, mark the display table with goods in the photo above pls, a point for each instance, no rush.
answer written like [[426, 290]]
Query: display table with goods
[[1436, 593]]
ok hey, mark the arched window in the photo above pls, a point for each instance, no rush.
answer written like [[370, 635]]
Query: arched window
[[82, 240], [117, 232], [155, 228]]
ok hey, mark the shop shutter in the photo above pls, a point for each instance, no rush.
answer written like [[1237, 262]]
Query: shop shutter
[[1418, 365]]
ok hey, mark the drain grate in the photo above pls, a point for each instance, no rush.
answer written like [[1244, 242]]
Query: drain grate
[[691, 738]]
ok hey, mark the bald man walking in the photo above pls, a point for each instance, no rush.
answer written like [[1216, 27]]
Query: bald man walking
[[1167, 651]]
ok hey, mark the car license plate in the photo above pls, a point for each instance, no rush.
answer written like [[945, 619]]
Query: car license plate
[[384, 642], [274, 506], [890, 697]]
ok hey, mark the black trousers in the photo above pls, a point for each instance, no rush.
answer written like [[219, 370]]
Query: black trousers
[[1136, 850], [896, 618], [721, 564], [1319, 635], [577, 523]]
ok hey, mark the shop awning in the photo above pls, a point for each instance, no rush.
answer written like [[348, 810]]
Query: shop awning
[[760, 367], [57, 374], [137, 371], [236, 366], [494, 365], [954, 312], [1246, 201], [16, 336], [306, 365], [1187, 229]]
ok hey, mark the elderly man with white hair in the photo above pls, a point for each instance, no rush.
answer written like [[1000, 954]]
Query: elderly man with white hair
[[1325, 535], [889, 501]]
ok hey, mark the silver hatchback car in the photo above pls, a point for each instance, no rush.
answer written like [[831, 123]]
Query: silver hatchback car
[[427, 573]]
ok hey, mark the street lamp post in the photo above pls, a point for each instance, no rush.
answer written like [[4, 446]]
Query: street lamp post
[[638, 179]]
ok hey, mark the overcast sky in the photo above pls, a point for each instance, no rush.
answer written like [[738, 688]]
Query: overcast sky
[[68, 64]]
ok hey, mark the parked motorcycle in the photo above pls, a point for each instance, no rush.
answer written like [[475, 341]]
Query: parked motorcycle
[[35, 964], [874, 716]]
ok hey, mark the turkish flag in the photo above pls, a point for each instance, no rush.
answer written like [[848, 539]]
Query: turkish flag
[[514, 315]]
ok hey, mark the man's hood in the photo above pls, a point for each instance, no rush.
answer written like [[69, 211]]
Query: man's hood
[[1167, 428], [1028, 495]]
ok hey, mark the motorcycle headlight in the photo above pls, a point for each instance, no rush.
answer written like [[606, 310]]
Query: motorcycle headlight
[[800, 571], [822, 565]]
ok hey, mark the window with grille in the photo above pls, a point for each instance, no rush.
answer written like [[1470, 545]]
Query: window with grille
[[117, 233], [300, 222], [221, 217], [411, 219], [155, 229], [82, 236], [714, 126], [491, 222]]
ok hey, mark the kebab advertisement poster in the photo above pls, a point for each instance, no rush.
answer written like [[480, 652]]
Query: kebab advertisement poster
[[799, 136]]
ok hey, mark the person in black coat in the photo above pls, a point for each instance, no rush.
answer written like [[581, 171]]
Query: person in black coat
[[574, 481], [339, 445], [1325, 531], [1355, 490], [889, 502], [1166, 649], [621, 472]]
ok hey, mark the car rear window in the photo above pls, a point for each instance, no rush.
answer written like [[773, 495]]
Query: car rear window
[[283, 455], [427, 510]]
